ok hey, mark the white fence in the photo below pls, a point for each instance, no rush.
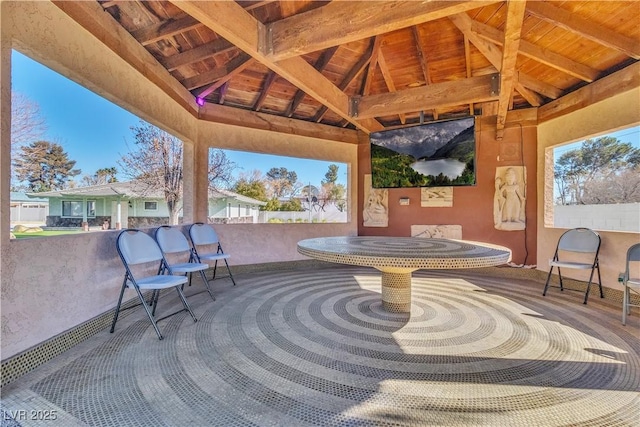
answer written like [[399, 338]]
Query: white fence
[[320, 216], [620, 217]]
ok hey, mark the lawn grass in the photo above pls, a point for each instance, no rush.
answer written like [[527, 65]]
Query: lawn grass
[[46, 233]]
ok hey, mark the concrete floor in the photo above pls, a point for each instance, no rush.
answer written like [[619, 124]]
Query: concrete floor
[[313, 347]]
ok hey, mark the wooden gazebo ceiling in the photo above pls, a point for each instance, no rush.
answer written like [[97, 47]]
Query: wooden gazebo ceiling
[[368, 65]]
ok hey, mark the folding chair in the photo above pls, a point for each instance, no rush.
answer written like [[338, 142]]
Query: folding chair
[[629, 283], [577, 240], [173, 243], [138, 248], [203, 235]]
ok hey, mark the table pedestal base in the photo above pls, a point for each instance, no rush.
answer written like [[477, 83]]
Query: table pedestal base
[[396, 292]]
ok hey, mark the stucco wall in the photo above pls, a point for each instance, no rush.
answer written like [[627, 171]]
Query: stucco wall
[[46, 290], [472, 206], [611, 114]]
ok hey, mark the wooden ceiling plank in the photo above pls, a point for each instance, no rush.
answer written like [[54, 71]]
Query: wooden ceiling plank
[[508, 74], [258, 4], [215, 74], [424, 65], [92, 17], [621, 81], [544, 56], [197, 54], [389, 81], [320, 65], [438, 95], [164, 29], [246, 32], [349, 78], [268, 82], [343, 22], [585, 28], [233, 68]]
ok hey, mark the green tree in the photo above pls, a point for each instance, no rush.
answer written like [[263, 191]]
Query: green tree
[[282, 182], [273, 204], [331, 192], [291, 205], [102, 176], [253, 186], [45, 166], [585, 175]]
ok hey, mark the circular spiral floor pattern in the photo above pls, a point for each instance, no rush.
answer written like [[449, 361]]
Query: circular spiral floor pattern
[[315, 348]]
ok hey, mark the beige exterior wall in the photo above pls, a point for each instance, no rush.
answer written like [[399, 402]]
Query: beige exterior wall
[[609, 115], [46, 290]]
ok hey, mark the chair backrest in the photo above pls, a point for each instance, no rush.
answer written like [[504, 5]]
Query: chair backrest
[[633, 254], [171, 240], [580, 240], [203, 234], [136, 247]]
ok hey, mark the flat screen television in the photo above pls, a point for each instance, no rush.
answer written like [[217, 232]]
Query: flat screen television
[[437, 154]]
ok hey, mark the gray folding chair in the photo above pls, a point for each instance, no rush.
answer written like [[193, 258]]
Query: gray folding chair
[[630, 283], [578, 240], [206, 246], [173, 243], [139, 249]]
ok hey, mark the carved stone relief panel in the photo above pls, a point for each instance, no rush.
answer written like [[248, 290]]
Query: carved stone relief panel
[[376, 205], [436, 197], [437, 231], [509, 199]]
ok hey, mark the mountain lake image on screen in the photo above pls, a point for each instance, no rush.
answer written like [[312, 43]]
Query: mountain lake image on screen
[[435, 154]]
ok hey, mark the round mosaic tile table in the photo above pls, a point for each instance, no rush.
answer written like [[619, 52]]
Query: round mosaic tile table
[[398, 257]]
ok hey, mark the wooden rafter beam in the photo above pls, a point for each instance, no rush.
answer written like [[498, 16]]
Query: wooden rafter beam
[[467, 63], [389, 81], [266, 86], [251, 119], [545, 89], [92, 17], [508, 74], [621, 81], [223, 92], [424, 64], [215, 74], [438, 95], [246, 32], [234, 67], [320, 65], [343, 22], [544, 56], [165, 29], [200, 53], [349, 78], [257, 4], [585, 28], [492, 52], [373, 63]]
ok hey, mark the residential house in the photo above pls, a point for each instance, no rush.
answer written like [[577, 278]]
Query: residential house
[[28, 210], [132, 204]]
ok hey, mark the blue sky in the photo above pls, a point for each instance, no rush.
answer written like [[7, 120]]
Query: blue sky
[[95, 132]]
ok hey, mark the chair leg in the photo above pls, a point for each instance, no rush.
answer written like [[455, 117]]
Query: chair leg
[[600, 281], [560, 278], [546, 286], [215, 267], [625, 304], [229, 270], [148, 311], [185, 303], [206, 283], [115, 315], [586, 294]]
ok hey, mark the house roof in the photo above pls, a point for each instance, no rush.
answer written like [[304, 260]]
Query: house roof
[[372, 65], [133, 190], [17, 196]]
